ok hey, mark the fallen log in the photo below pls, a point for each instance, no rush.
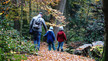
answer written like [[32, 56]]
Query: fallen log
[[98, 43], [84, 49], [84, 46]]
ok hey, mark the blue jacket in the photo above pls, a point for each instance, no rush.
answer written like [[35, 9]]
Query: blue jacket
[[50, 36]]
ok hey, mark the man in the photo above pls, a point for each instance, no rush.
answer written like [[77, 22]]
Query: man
[[36, 24]]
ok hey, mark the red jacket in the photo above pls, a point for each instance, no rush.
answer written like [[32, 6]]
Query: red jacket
[[61, 36]]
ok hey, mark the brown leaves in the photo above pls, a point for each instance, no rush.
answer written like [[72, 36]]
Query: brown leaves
[[45, 55], [47, 2], [1, 13], [56, 14], [46, 5], [54, 25], [6, 2], [97, 0]]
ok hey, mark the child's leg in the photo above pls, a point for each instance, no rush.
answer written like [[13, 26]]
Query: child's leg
[[53, 46], [62, 46], [49, 46], [58, 46]]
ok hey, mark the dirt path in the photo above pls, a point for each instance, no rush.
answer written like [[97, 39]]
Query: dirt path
[[45, 55]]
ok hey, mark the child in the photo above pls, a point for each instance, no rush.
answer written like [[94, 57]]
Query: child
[[50, 38], [61, 37]]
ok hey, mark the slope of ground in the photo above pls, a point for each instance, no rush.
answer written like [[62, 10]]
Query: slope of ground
[[45, 55]]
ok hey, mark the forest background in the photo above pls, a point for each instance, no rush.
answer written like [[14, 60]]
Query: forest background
[[83, 22]]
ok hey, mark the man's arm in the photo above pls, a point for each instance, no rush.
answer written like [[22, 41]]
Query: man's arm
[[31, 23], [45, 27]]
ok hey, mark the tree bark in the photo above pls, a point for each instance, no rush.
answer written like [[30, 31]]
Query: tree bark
[[61, 7], [30, 13], [29, 10], [105, 10], [21, 19], [17, 24]]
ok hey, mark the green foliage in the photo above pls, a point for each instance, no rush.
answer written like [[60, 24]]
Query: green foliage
[[10, 43], [26, 47], [96, 52], [13, 57], [85, 19], [85, 24]]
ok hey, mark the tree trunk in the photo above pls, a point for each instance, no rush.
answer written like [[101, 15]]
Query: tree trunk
[[21, 19], [61, 7], [17, 24], [30, 13], [29, 10], [105, 10]]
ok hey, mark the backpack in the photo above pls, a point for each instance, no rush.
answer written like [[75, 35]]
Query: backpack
[[37, 23], [31, 30]]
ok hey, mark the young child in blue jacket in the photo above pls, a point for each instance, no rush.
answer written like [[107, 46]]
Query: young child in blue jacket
[[50, 38]]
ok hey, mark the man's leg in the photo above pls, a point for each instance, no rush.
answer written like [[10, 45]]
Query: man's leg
[[38, 40], [35, 42]]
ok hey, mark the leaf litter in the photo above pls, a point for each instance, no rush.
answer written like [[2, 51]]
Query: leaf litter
[[45, 55]]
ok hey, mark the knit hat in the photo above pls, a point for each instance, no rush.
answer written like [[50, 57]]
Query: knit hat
[[51, 28], [40, 13], [61, 28]]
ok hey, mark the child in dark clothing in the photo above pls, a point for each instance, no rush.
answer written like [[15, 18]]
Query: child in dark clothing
[[50, 38], [61, 37]]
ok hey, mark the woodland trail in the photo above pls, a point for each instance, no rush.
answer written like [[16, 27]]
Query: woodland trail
[[45, 55]]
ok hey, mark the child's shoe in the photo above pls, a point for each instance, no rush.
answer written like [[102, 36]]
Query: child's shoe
[[62, 50], [57, 49]]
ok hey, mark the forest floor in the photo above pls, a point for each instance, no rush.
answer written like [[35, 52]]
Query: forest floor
[[45, 55]]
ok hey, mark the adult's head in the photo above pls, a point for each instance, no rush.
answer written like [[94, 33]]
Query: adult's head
[[61, 28], [40, 13]]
